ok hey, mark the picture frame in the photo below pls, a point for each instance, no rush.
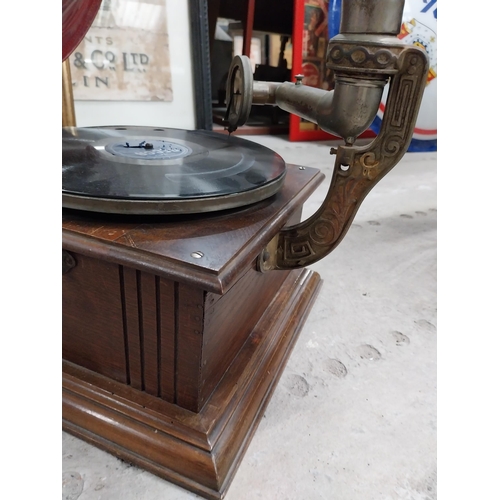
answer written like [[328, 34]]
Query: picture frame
[[188, 64]]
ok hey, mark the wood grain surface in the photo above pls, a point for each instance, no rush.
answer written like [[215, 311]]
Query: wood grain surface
[[169, 360], [198, 451], [163, 245]]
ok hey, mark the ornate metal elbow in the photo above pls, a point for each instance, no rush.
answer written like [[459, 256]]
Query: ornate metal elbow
[[357, 170], [364, 57]]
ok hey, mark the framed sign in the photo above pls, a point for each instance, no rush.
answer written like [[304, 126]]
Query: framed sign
[[310, 42], [142, 63], [124, 56]]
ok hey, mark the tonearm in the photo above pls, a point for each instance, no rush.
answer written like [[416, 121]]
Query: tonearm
[[365, 56]]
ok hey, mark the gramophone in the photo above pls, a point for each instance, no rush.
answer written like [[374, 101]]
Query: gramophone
[[185, 280]]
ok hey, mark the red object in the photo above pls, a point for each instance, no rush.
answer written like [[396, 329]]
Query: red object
[[247, 34], [311, 75], [77, 18]]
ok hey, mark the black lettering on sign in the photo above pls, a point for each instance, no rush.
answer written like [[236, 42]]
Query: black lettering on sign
[[125, 63], [79, 60], [104, 81], [132, 61], [110, 57], [97, 58]]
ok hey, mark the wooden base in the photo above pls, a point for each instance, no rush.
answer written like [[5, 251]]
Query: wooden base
[[199, 451], [172, 340]]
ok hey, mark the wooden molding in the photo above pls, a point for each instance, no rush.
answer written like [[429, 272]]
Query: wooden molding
[[198, 451]]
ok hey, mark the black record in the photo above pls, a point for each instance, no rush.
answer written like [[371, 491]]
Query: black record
[[147, 170]]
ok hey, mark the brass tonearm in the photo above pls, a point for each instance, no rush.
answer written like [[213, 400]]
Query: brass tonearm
[[364, 57]]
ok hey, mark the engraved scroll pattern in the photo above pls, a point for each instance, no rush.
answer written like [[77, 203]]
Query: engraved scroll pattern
[[348, 57], [314, 238]]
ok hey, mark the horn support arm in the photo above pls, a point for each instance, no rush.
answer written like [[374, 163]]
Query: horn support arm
[[357, 168]]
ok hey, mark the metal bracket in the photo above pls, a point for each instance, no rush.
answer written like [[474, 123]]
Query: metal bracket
[[68, 262], [357, 170]]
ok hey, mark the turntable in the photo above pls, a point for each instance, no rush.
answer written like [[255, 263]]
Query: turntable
[[184, 255]]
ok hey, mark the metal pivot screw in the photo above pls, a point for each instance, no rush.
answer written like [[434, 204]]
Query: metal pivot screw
[[298, 79], [197, 254], [68, 262]]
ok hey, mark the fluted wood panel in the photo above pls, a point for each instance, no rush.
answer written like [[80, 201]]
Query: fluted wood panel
[[92, 322], [136, 328], [166, 301], [189, 346], [131, 327], [150, 333]]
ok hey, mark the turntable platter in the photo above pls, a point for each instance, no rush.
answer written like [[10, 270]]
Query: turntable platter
[[147, 170]]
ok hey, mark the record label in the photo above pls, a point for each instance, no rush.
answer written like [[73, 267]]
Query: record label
[[152, 149]]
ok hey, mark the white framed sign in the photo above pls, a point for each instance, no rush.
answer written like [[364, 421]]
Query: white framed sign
[[159, 89], [125, 54]]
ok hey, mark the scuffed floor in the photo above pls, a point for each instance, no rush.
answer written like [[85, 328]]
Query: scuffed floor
[[354, 414]]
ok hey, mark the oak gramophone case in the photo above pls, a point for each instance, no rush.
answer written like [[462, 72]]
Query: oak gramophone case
[[185, 280]]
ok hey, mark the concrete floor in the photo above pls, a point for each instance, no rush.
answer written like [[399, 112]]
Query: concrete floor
[[354, 414]]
